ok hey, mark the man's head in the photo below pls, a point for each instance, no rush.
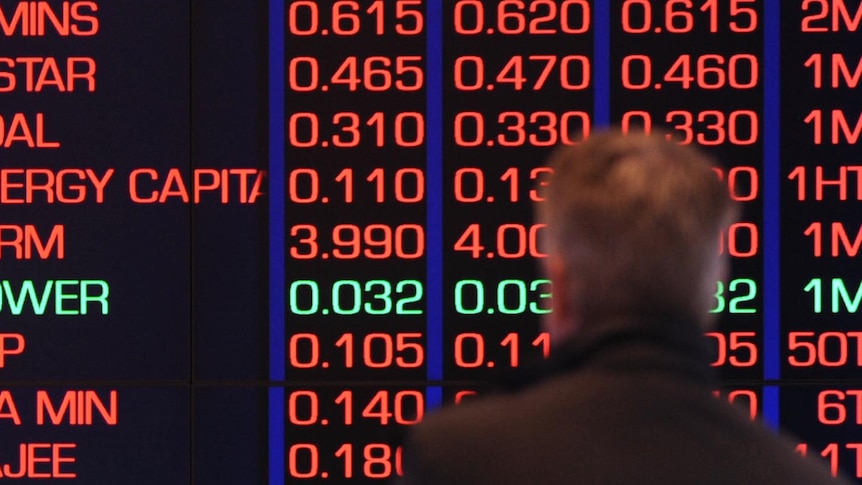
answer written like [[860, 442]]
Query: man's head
[[633, 230]]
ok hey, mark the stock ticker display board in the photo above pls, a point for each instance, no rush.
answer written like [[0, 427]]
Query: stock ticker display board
[[256, 243]]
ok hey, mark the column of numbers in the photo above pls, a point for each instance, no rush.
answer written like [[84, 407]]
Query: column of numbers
[[355, 186], [705, 90], [821, 337], [507, 106]]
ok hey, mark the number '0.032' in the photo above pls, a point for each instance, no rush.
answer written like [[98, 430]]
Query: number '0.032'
[[508, 297], [350, 297]]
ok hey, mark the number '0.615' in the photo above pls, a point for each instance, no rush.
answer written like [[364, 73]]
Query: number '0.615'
[[347, 17], [682, 16]]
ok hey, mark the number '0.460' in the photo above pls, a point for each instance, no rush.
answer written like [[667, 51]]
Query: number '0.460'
[[710, 71]]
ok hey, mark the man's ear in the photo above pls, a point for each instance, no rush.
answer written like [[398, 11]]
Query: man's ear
[[561, 323]]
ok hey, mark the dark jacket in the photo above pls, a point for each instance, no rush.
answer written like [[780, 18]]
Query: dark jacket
[[628, 403]]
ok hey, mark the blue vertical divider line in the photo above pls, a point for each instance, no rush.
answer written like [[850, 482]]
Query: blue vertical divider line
[[276, 241], [601, 63], [434, 211], [771, 207]]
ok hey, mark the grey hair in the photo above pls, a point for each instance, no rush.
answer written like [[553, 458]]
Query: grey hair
[[636, 221]]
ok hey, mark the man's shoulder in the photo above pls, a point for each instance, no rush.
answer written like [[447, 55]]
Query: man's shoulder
[[648, 429], [565, 392], [504, 423]]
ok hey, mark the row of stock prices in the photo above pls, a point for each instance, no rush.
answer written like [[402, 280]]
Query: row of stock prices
[[257, 243]]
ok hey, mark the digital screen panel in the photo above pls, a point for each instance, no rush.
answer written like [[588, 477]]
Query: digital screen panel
[[256, 243]]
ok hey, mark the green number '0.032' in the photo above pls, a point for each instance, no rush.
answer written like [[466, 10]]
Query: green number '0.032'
[[734, 306], [512, 297], [351, 297]]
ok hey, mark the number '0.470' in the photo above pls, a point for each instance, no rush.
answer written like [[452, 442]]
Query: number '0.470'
[[574, 72]]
